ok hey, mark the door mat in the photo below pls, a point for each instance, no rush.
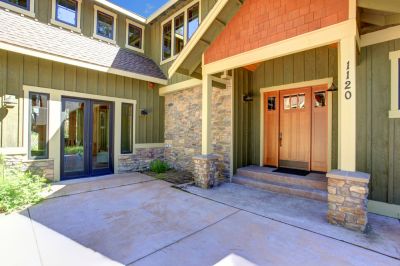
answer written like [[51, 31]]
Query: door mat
[[292, 171]]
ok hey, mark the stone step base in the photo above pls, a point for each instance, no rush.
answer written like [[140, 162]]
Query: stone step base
[[312, 181], [284, 188]]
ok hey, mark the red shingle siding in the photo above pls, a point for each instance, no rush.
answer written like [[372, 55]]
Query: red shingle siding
[[262, 22]]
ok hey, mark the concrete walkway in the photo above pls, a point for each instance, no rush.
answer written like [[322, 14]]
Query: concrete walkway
[[132, 219]]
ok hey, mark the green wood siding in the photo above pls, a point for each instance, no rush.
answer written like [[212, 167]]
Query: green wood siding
[[309, 65], [17, 70], [378, 137]]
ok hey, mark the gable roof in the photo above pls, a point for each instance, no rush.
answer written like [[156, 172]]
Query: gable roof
[[189, 59], [24, 35]]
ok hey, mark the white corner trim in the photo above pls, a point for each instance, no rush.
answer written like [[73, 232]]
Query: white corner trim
[[121, 10], [310, 40], [30, 12], [140, 26], [105, 11], [380, 36], [209, 19], [394, 84], [61, 59], [54, 21], [184, 85]]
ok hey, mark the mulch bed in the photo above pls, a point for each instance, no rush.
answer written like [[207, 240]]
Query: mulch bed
[[173, 176]]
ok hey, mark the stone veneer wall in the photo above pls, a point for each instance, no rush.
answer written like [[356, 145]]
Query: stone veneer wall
[[43, 167], [183, 127], [139, 161]]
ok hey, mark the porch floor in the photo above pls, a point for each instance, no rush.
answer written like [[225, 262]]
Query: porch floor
[[382, 236]]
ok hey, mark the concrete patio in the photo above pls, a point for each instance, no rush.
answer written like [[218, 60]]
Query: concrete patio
[[132, 219]]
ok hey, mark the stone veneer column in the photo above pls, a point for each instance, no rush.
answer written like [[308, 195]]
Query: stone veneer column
[[347, 199], [207, 172]]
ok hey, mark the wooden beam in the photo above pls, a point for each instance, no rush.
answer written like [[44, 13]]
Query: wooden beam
[[381, 5], [392, 19], [220, 22], [380, 20], [204, 41]]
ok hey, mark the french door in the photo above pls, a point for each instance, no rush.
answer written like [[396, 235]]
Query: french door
[[86, 138]]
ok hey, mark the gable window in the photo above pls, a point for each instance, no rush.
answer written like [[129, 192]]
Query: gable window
[[177, 30], [395, 84], [66, 14], [134, 36], [38, 113], [105, 25], [25, 7]]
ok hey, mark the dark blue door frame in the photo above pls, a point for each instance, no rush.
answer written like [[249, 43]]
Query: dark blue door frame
[[88, 141]]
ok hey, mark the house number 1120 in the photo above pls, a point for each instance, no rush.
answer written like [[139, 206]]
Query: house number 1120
[[347, 88]]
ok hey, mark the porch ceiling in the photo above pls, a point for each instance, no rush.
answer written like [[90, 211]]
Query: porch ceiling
[[378, 14], [189, 60]]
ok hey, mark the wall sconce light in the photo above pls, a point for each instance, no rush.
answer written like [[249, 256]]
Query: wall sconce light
[[10, 101], [247, 98], [333, 87], [144, 112], [150, 85]]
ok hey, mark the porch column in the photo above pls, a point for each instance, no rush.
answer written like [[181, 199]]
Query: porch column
[[347, 104], [206, 147]]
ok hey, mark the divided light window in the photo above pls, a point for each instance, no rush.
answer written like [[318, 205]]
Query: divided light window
[[105, 25], [67, 11], [38, 128], [178, 29], [126, 128], [135, 36], [19, 3]]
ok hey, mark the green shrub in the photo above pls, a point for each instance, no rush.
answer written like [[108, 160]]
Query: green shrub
[[19, 189], [158, 166]]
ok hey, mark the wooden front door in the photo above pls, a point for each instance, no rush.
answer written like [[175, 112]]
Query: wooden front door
[[295, 129]]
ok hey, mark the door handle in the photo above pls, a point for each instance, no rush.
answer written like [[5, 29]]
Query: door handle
[[280, 139]]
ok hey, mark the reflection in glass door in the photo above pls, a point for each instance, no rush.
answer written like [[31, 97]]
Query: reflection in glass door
[[86, 138]]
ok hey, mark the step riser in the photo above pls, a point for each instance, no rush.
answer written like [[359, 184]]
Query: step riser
[[322, 185], [280, 189]]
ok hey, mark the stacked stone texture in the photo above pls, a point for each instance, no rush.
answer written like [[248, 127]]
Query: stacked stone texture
[[43, 167], [347, 202], [207, 171], [140, 161]]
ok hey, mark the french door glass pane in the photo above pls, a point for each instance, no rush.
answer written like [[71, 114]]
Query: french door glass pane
[[74, 136], [101, 135]]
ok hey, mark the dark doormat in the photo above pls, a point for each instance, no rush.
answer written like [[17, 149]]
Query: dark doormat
[[292, 171]]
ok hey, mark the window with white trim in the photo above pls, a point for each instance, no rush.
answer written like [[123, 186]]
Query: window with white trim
[[105, 25], [134, 36], [25, 7], [177, 30], [66, 13], [395, 84]]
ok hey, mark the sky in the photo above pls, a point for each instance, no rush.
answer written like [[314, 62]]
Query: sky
[[141, 7]]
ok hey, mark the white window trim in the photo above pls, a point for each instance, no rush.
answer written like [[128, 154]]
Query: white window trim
[[65, 25], [131, 22], [394, 102], [30, 12], [171, 19], [96, 9]]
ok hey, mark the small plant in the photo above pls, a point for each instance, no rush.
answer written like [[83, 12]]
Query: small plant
[[158, 166]]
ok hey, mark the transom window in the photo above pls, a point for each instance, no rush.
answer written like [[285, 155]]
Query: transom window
[[67, 11], [134, 36], [105, 25], [178, 29]]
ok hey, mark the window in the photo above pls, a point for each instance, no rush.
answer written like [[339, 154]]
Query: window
[[193, 20], [271, 103], [25, 7], [167, 41], [38, 113], [319, 99], [395, 84], [126, 128], [134, 36], [177, 30], [66, 14], [105, 25]]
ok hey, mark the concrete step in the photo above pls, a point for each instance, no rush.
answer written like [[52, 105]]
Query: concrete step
[[294, 190], [312, 181]]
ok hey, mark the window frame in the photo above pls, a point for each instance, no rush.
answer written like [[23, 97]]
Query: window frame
[[29, 11], [395, 84], [171, 19], [142, 27], [65, 25], [30, 127], [107, 12], [132, 128]]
